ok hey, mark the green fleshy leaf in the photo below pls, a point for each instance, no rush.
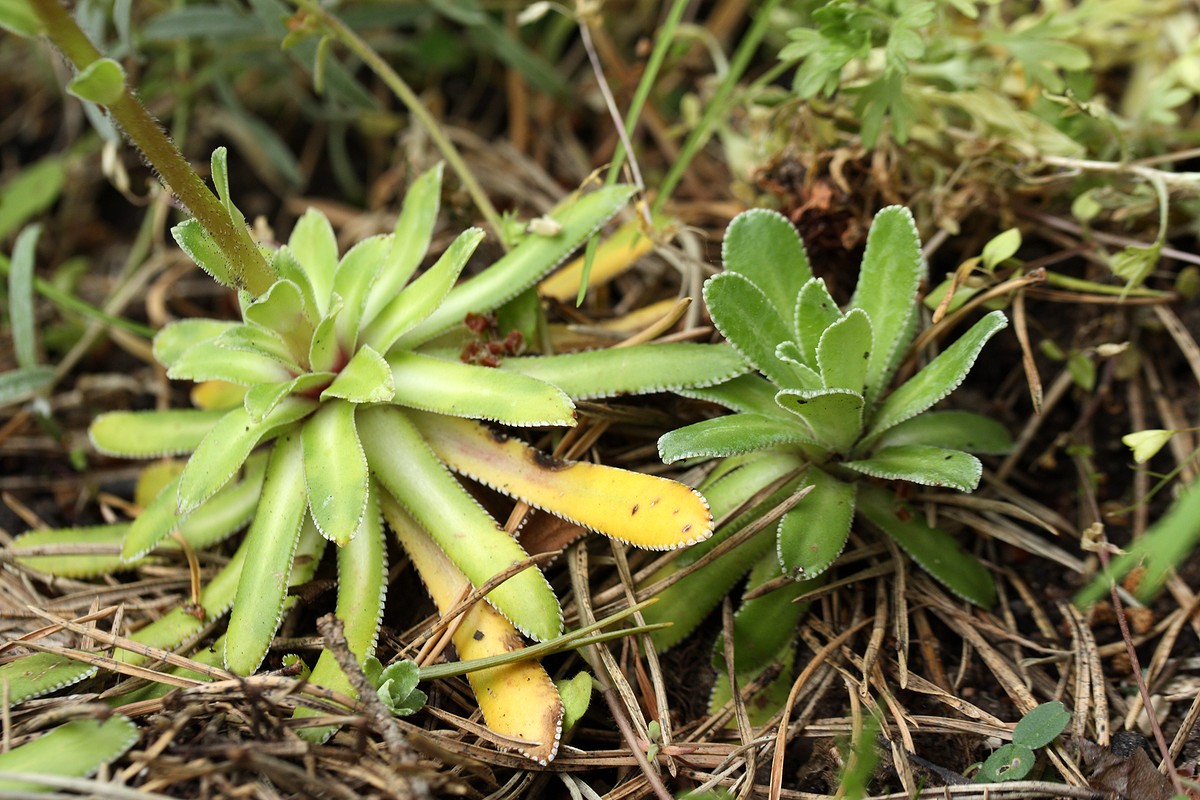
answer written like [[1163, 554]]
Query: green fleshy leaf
[[398, 688], [844, 352], [1001, 248], [408, 470], [152, 434], [750, 393], [40, 674], [101, 82], [932, 548], [1042, 725], [815, 312], [261, 400], [749, 322], [314, 246], [524, 265], [228, 510], [1135, 263], [260, 341], [282, 310], [730, 435], [219, 171], [174, 339], [216, 598], [939, 378], [356, 274], [887, 291], [763, 246], [1009, 762], [686, 603], [413, 304], [209, 361], [325, 353], [789, 352], [289, 269], [21, 268], [635, 370], [833, 416], [466, 390], [413, 233], [576, 694], [335, 471], [813, 534], [362, 587], [227, 445], [960, 430], [72, 566], [202, 249], [75, 749], [763, 706], [366, 379], [180, 625], [928, 466], [271, 542]]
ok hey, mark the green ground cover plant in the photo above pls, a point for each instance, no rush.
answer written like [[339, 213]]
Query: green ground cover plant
[[355, 396], [818, 415]]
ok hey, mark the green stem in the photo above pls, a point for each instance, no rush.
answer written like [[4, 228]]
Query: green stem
[[413, 103], [717, 107], [248, 268]]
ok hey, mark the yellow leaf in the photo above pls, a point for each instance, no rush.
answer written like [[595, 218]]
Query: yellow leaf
[[519, 701], [643, 510]]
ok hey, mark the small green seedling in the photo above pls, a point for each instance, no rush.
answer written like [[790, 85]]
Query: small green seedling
[[1038, 728], [818, 414], [396, 685]]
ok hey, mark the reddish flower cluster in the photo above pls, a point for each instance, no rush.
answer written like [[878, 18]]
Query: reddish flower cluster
[[488, 348]]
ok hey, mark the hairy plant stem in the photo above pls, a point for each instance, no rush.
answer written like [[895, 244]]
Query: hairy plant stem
[[247, 267], [406, 95]]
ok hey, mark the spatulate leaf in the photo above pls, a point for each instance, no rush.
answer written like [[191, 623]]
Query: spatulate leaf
[[636, 370], [748, 321], [335, 471], [413, 304], [844, 352], [887, 291], [939, 377], [763, 246], [524, 265], [467, 390], [813, 534], [833, 416], [225, 448], [730, 435], [932, 548], [150, 434], [928, 466], [272, 541]]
